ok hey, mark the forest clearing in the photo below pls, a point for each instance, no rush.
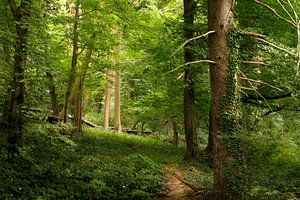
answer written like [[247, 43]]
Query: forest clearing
[[150, 99]]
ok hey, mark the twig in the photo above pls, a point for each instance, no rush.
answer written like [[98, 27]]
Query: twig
[[252, 34], [261, 82], [246, 88], [275, 12], [190, 63], [254, 89], [191, 39], [287, 12], [277, 47], [255, 62]]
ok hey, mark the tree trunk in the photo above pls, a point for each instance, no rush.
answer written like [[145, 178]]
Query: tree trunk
[[175, 134], [52, 93], [21, 16], [223, 89], [79, 103], [6, 67], [209, 147], [107, 94], [51, 84], [192, 149], [72, 74], [118, 126]]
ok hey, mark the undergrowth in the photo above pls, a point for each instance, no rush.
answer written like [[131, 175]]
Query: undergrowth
[[92, 165]]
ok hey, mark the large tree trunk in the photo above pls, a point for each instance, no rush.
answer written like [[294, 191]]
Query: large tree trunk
[[223, 88], [72, 74], [192, 149], [21, 16]]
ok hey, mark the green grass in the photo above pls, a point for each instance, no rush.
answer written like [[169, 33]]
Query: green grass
[[93, 165]]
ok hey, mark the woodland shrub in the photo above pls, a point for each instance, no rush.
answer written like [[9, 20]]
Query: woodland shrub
[[269, 168]]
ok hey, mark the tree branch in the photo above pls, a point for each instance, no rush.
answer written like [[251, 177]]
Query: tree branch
[[277, 47], [191, 39], [256, 98], [275, 12], [261, 82], [255, 63], [252, 34], [190, 63], [287, 12]]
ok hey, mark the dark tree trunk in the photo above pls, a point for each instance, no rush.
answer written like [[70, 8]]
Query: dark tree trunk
[[51, 84], [192, 149], [175, 134], [52, 93], [21, 16], [7, 66], [223, 89], [72, 74]]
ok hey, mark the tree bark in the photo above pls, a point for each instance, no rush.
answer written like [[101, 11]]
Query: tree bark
[[118, 126], [21, 16], [175, 134], [72, 74], [52, 93], [51, 84], [79, 103], [223, 79], [107, 94], [192, 149], [6, 67]]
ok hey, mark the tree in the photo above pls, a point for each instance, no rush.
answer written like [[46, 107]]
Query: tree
[[107, 99], [21, 16], [72, 73], [192, 151], [79, 86], [223, 75]]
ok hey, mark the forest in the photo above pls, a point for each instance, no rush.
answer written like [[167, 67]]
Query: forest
[[150, 99]]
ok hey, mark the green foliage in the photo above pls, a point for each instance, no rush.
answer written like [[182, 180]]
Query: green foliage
[[95, 165]]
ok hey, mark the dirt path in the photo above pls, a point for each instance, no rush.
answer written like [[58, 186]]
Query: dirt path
[[177, 188]]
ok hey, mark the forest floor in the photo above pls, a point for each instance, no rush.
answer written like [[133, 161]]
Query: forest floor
[[99, 165], [176, 187]]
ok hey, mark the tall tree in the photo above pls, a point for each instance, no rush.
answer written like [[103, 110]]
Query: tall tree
[[79, 86], [21, 16], [192, 151], [223, 89], [72, 74], [107, 94]]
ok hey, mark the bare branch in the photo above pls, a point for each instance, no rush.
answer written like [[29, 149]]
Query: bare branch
[[252, 34], [295, 13], [191, 39], [190, 63], [287, 12], [261, 82], [255, 89], [275, 12], [255, 63], [277, 47]]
